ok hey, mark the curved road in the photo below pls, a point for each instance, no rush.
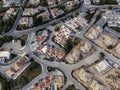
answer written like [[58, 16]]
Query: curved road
[[65, 68]]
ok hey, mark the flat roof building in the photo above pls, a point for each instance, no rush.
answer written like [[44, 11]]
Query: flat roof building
[[103, 66], [26, 21], [96, 1], [7, 3], [87, 2], [5, 54], [77, 23], [113, 18]]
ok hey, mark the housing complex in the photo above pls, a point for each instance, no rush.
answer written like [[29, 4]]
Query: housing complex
[[98, 75], [46, 50], [62, 35], [112, 17], [54, 80]]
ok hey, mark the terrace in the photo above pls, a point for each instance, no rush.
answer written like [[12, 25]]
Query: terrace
[[103, 67]]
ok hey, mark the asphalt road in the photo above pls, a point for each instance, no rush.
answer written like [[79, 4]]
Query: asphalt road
[[65, 68]]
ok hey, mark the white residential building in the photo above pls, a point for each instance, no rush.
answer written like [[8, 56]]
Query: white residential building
[[87, 2], [7, 3], [103, 66], [77, 23], [26, 21], [113, 18], [4, 55]]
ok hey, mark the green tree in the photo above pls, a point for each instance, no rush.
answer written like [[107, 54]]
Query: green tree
[[71, 87], [50, 69], [1, 24], [57, 29], [37, 21], [1, 42], [68, 46], [110, 47], [7, 38], [101, 54], [22, 42]]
